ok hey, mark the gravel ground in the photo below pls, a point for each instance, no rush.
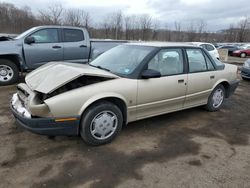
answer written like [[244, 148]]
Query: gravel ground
[[191, 148]]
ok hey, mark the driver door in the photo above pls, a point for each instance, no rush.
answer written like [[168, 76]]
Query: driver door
[[46, 48], [165, 94]]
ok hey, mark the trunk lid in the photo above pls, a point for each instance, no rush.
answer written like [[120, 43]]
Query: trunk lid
[[52, 76]]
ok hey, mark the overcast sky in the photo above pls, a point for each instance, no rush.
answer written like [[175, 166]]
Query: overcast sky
[[217, 14]]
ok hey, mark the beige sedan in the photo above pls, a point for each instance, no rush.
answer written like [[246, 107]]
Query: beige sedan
[[127, 83]]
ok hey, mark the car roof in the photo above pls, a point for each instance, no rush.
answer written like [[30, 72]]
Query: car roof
[[161, 44], [199, 43], [57, 26]]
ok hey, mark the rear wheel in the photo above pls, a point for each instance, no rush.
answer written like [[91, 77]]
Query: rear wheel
[[243, 55], [101, 123], [9, 72], [216, 99]]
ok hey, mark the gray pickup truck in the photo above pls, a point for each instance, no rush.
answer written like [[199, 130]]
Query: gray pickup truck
[[43, 44]]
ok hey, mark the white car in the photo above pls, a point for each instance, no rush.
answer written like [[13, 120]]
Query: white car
[[209, 47], [245, 46]]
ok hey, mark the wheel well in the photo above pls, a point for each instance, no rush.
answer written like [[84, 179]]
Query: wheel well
[[13, 58], [118, 102], [226, 86]]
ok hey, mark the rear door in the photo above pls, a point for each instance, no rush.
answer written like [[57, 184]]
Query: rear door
[[201, 77], [167, 93], [47, 47], [75, 45]]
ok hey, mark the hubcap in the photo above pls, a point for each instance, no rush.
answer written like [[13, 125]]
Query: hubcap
[[104, 125], [6, 73], [218, 98]]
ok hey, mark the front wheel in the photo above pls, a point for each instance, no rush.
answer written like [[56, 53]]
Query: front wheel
[[101, 123], [216, 99], [9, 72]]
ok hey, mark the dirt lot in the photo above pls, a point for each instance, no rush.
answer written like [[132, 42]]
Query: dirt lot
[[192, 148]]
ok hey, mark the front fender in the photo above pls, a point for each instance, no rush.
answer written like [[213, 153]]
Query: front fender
[[100, 97]]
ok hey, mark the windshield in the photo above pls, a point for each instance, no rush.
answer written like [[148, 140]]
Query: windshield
[[25, 33], [122, 60]]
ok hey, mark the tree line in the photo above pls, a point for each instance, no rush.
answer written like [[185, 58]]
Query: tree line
[[116, 25]]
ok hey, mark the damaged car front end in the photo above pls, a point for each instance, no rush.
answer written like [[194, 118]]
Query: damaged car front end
[[30, 105]]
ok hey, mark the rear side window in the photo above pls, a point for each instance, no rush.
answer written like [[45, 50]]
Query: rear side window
[[203, 46], [198, 61], [73, 35]]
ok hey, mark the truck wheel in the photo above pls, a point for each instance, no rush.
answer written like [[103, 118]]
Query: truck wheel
[[9, 72], [216, 99], [101, 123]]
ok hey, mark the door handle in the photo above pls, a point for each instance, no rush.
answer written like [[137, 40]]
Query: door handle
[[56, 47], [212, 77], [82, 46], [181, 81]]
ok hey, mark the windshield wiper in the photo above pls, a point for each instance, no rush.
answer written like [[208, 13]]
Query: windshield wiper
[[100, 67]]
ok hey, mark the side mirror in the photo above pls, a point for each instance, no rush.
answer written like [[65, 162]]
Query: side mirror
[[29, 40], [149, 73]]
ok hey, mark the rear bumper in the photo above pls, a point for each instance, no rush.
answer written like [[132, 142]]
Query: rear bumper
[[232, 87], [47, 126], [245, 72]]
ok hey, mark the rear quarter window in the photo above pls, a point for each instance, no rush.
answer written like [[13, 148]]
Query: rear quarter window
[[209, 47]]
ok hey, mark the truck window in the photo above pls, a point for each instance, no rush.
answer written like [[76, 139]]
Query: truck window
[[46, 36], [73, 35]]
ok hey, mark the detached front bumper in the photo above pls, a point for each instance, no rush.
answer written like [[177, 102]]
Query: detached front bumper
[[46, 126]]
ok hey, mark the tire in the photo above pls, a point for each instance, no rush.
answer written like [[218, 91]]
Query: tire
[[9, 73], [243, 55], [216, 99], [101, 123]]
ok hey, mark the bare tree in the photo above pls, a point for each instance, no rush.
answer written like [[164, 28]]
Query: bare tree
[[191, 32], [73, 17], [145, 26], [117, 24], [53, 15], [177, 26], [243, 26], [127, 27], [86, 19], [155, 28]]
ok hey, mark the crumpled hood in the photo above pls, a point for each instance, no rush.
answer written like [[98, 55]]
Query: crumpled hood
[[53, 75]]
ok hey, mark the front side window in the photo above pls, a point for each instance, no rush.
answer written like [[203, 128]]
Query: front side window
[[73, 35], [167, 62], [196, 60], [46, 36]]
